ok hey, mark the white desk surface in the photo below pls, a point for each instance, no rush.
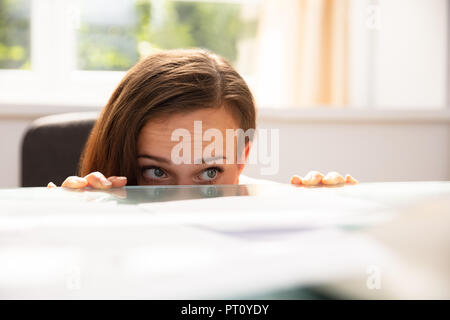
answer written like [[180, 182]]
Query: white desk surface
[[195, 242]]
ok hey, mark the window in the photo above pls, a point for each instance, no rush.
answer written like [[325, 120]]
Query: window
[[388, 54], [15, 34], [80, 49], [123, 33]]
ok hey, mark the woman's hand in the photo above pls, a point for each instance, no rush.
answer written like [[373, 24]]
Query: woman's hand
[[95, 180], [315, 178]]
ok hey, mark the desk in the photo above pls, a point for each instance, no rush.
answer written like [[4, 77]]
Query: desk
[[189, 242]]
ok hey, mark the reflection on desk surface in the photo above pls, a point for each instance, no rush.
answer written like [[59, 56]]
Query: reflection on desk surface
[[393, 193], [130, 194], [171, 193], [204, 241]]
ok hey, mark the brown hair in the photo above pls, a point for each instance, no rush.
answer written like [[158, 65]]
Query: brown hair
[[161, 84]]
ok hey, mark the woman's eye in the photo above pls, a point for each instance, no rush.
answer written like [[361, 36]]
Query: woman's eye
[[155, 173], [209, 174]]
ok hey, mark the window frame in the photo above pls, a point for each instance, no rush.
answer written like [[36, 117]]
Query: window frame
[[54, 79]]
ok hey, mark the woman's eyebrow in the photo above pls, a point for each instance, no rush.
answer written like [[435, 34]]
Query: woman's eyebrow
[[202, 161], [159, 159]]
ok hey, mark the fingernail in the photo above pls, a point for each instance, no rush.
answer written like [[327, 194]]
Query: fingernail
[[296, 180], [105, 182], [117, 178]]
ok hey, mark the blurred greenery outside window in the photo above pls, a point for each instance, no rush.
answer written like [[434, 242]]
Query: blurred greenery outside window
[[117, 37], [15, 34]]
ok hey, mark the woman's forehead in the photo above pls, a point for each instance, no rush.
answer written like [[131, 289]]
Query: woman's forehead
[[158, 132], [209, 118]]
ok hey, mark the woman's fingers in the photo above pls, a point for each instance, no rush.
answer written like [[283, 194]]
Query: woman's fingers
[[75, 182], [350, 180], [312, 178], [296, 180], [97, 180], [118, 182], [333, 178], [51, 185], [315, 178]]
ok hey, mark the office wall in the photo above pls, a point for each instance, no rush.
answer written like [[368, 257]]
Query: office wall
[[376, 151], [11, 132], [410, 54], [378, 147]]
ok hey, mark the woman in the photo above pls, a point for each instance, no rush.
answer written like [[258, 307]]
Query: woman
[[133, 141]]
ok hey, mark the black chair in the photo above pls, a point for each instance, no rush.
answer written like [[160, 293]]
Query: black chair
[[52, 147]]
